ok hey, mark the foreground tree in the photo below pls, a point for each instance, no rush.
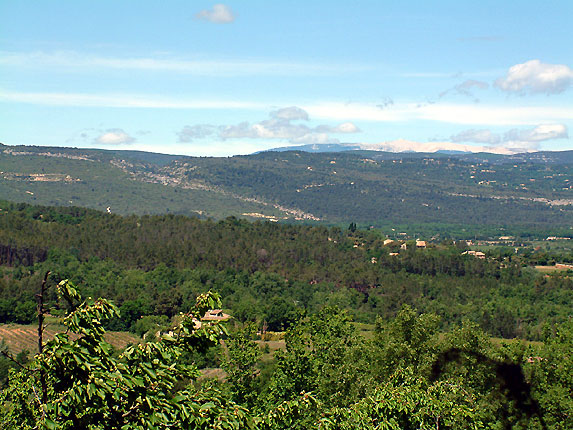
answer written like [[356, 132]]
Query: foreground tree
[[329, 377], [77, 382]]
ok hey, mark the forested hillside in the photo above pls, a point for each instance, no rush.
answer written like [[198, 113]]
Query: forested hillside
[[375, 336], [528, 192], [267, 271]]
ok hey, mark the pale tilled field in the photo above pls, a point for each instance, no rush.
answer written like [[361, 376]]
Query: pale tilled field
[[25, 337]]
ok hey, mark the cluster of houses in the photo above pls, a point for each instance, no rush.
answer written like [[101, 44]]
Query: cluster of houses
[[404, 245], [476, 254], [420, 244]]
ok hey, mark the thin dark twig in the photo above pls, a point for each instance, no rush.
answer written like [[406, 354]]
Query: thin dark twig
[[41, 312], [11, 357]]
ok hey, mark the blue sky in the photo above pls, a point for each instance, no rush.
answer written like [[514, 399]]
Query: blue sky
[[205, 78]]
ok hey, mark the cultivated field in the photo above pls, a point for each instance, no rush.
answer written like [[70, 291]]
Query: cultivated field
[[550, 269], [25, 337]]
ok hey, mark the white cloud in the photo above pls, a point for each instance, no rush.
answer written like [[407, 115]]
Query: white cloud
[[345, 127], [114, 136], [536, 77], [268, 129], [220, 14], [538, 134], [280, 125]]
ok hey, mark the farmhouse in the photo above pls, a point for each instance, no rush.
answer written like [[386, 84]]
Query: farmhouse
[[215, 315], [211, 315]]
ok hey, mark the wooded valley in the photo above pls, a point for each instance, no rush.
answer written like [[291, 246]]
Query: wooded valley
[[331, 328]]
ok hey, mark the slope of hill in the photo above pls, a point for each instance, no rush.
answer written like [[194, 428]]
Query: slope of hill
[[368, 187], [101, 180], [157, 265]]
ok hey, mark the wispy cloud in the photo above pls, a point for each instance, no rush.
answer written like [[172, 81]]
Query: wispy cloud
[[466, 89], [386, 102], [220, 14], [68, 62], [453, 113]]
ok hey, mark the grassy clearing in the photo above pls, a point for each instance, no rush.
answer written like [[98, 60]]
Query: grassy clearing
[[550, 269], [554, 245], [274, 346], [213, 372], [366, 330]]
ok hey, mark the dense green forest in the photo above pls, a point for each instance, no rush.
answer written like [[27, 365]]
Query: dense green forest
[[375, 336], [458, 196], [271, 272], [408, 376]]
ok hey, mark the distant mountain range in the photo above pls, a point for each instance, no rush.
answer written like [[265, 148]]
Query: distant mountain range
[[402, 145], [312, 183], [524, 157], [319, 147]]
